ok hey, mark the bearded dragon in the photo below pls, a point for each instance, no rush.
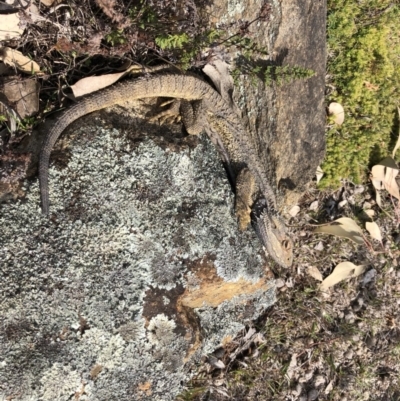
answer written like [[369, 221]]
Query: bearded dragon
[[201, 108]]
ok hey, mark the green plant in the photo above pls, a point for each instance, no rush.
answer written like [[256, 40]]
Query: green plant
[[364, 66], [271, 74], [116, 37], [172, 41], [143, 15], [286, 73]]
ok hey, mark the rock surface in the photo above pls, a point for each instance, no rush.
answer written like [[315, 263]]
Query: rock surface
[[139, 271], [287, 122]]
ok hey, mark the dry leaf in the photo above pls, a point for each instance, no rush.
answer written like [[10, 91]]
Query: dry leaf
[[342, 272], [384, 175], [343, 227], [398, 139], [329, 387], [16, 59], [370, 86], [218, 71], [319, 174], [23, 95], [374, 230], [315, 273], [92, 84], [47, 3], [10, 28], [370, 213], [378, 199], [336, 110], [294, 210]]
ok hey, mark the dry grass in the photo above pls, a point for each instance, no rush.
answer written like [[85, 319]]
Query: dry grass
[[342, 346]]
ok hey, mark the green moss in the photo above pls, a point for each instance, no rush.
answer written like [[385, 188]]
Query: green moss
[[364, 65]]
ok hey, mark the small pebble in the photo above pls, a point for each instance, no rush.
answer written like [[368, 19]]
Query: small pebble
[[319, 246], [359, 189]]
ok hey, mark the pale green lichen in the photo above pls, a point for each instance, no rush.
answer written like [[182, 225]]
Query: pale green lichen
[[123, 221], [60, 383]]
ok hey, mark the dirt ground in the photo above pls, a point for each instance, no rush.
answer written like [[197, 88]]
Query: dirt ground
[[342, 344]]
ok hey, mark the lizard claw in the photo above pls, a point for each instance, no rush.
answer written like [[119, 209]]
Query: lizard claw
[[171, 114]]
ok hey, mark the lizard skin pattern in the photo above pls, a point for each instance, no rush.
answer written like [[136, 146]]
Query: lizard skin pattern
[[209, 112]]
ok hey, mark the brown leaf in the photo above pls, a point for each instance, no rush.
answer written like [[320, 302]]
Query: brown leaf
[[315, 273], [384, 175], [343, 227], [47, 3], [17, 60], [370, 213], [23, 95], [342, 272], [10, 28], [374, 230], [319, 174], [294, 210], [92, 84]]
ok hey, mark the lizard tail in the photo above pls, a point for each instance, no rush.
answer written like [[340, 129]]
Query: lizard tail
[[86, 106], [168, 85]]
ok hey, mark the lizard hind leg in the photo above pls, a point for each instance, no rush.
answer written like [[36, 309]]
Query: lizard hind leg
[[245, 190], [192, 116], [182, 110]]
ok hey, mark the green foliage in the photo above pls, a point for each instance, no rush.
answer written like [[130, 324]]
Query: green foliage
[[116, 37], [185, 47], [285, 74], [143, 15], [27, 123], [271, 74], [172, 41], [245, 45], [364, 65]]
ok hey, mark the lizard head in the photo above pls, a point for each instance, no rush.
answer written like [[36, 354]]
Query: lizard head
[[273, 235]]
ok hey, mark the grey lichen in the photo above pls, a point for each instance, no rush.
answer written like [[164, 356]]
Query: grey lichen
[[60, 383], [160, 331], [236, 258], [124, 220], [165, 270]]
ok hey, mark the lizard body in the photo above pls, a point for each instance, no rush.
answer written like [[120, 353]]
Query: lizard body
[[208, 111]]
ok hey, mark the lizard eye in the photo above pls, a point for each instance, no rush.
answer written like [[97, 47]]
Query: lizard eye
[[286, 244]]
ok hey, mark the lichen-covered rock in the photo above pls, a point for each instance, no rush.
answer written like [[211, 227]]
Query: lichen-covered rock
[[138, 271]]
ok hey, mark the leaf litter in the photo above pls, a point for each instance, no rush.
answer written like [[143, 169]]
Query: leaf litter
[[302, 322]]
